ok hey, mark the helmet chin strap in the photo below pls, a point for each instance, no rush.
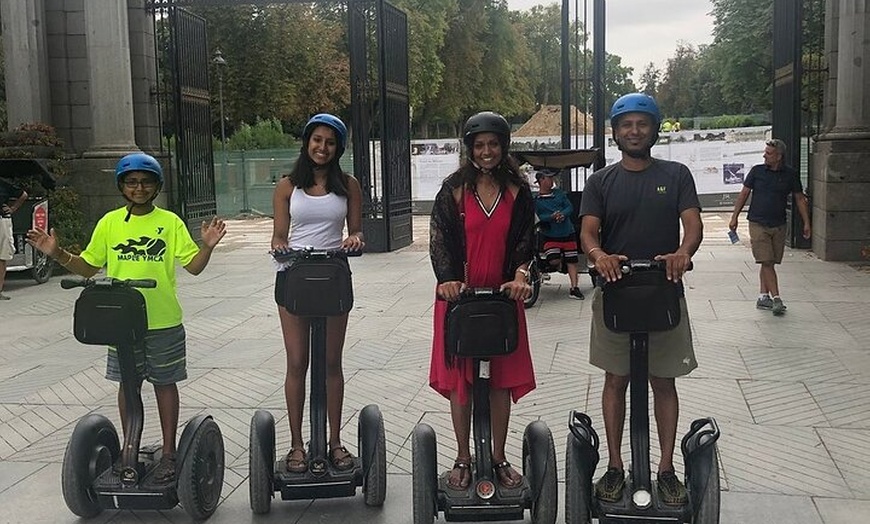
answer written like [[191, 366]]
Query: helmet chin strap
[[146, 205], [641, 155]]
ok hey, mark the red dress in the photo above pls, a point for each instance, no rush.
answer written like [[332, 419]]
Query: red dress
[[486, 237]]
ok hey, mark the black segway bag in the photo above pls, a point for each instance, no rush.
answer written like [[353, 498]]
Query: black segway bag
[[318, 287], [641, 302], [481, 326], [113, 316]]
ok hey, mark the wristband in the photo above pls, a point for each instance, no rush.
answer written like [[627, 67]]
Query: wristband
[[593, 250], [524, 272]]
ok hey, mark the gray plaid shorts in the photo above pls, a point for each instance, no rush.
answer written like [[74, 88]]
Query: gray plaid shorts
[[161, 359]]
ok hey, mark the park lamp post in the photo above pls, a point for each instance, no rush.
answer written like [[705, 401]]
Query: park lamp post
[[219, 61]]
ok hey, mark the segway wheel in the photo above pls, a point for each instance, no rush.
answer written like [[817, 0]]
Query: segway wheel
[[202, 472], [374, 446], [578, 492], [261, 462], [43, 266], [92, 449], [535, 282], [424, 459], [539, 466], [708, 510]]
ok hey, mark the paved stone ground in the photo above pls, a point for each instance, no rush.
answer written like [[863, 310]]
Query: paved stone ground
[[791, 394]]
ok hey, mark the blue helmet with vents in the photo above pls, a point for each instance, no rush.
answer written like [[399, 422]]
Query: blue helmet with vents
[[138, 162], [332, 121]]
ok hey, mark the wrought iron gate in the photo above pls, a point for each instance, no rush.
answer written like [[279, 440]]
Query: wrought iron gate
[[378, 41], [182, 42]]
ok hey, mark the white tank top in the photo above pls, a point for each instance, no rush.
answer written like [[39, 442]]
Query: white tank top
[[316, 221]]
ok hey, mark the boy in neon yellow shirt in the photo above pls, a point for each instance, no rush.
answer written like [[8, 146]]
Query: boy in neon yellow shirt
[[140, 241]]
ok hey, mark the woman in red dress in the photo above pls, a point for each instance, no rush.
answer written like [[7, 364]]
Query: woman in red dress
[[481, 236]]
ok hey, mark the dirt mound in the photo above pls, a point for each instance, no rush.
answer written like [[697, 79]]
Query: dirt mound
[[548, 122]]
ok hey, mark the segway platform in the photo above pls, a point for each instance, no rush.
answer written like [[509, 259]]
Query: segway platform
[[328, 483]]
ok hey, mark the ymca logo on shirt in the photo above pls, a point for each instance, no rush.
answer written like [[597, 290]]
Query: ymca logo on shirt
[[662, 190], [145, 249]]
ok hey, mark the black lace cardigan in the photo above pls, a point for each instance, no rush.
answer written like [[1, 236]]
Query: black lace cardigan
[[447, 234]]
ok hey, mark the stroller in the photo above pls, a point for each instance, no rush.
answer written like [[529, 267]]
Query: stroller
[[553, 159]]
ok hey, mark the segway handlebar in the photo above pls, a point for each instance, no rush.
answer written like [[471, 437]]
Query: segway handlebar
[[631, 266], [70, 283], [482, 291], [290, 254]]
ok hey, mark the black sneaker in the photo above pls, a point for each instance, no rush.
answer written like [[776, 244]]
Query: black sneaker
[[671, 490], [609, 486], [576, 294]]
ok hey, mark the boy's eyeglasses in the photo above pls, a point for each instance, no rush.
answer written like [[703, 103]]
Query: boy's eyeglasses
[[147, 184]]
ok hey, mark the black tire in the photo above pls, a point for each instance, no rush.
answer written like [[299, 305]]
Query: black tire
[[92, 448], [535, 282], [202, 472], [545, 503], [577, 488], [424, 460], [43, 266], [708, 512], [375, 480], [261, 462]]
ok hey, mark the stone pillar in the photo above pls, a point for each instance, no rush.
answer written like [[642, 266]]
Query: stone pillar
[[109, 75], [26, 50], [841, 180]]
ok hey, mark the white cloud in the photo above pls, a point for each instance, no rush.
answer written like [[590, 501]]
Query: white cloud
[[643, 31]]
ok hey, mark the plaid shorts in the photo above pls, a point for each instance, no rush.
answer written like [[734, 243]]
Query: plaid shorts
[[161, 359]]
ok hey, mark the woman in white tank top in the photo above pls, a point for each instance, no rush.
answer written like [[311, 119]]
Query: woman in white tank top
[[311, 206]]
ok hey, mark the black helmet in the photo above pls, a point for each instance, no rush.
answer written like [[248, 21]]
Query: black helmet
[[487, 122]]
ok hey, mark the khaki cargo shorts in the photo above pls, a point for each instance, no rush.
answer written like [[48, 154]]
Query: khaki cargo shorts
[[671, 353], [768, 243]]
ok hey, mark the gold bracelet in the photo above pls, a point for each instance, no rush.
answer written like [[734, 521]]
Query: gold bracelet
[[68, 258], [593, 250]]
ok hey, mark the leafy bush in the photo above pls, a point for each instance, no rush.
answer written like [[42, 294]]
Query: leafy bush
[[66, 217], [264, 134], [35, 134]]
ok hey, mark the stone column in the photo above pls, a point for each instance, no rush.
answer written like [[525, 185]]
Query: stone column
[[26, 52], [109, 75], [841, 180]]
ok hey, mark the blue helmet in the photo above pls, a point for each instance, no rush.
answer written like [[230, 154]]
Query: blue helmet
[[635, 103], [325, 119], [138, 162]]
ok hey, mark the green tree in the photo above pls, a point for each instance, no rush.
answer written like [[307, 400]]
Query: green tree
[[678, 92], [742, 50], [649, 80]]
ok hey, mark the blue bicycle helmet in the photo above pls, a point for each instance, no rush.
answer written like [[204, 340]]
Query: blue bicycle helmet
[[487, 122], [325, 119], [635, 103], [138, 162]]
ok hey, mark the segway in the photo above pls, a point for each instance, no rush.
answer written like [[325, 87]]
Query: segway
[[643, 301], [112, 312], [320, 288], [482, 325]]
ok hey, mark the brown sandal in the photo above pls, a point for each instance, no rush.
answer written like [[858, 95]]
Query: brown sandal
[[341, 458], [296, 460], [463, 466], [507, 475]]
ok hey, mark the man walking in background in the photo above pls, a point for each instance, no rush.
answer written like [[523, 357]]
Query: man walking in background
[[770, 184]]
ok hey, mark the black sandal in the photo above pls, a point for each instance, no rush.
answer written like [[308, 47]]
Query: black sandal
[[464, 467], [296, 465], [503, 471], [341, 462], [164, 473]]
